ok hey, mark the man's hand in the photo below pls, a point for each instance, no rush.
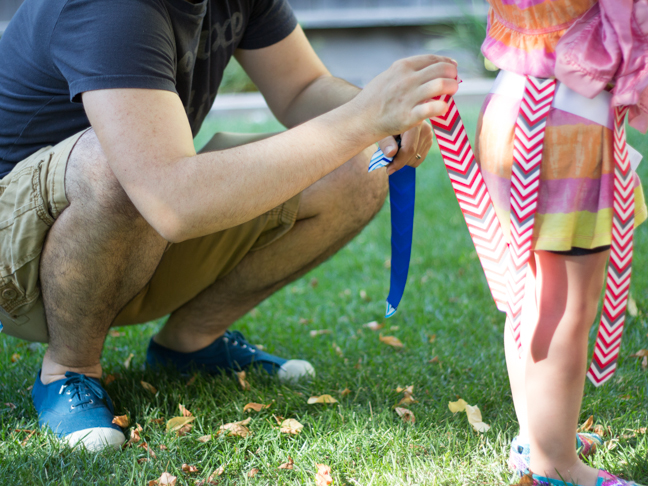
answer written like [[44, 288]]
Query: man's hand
[[403, 96], [415, 145]]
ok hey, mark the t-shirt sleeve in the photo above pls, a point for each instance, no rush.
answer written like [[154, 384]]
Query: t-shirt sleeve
[[108, 44], [270, 22]]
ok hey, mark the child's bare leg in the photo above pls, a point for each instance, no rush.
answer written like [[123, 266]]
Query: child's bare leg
[[515, 365], [568, 289]]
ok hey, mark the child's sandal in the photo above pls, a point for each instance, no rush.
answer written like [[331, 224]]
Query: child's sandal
[[519, 456], [604, 479]]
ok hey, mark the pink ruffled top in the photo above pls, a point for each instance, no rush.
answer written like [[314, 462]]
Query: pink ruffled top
[[586, 44]]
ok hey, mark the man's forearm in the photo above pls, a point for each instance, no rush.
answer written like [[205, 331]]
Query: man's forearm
[[322, 95]]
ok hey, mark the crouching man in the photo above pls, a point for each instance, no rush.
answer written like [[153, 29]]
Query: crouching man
[[110, 218]]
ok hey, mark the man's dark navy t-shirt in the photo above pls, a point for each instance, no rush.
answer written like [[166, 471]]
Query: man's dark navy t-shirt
[[54, 50]]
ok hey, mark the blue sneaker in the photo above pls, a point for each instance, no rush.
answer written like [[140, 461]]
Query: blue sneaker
[[78, 410], [230, 352]]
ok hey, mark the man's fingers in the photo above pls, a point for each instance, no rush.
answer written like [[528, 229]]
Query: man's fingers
[[424, 60], [438, 87], [438, 70], [388, 146], [430, 109], [407, 152]]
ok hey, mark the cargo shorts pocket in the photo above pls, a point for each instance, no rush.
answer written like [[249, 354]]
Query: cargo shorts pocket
[[30, 198]]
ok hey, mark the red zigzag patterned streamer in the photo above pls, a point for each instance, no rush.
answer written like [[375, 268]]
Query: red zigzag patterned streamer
[[608, 341], [525, 182], [505, 265], [474, 199]]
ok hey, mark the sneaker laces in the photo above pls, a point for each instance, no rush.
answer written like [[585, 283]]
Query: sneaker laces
[[236, 337], [78, 386]]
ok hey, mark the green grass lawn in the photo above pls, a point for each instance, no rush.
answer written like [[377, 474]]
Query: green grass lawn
[[361, 438]]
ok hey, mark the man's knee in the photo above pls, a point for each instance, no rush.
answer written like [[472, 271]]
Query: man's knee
[[91, 184], [365, 192]]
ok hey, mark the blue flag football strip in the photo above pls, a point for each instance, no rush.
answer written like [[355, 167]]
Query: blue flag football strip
[[402, 192]]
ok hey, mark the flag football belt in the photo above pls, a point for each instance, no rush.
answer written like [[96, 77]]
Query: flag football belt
[[505, 264]]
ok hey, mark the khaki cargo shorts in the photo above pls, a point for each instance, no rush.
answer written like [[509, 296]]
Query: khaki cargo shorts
[[33, 195]]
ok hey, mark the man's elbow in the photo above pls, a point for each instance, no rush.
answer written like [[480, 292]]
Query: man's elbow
[[171, 226]]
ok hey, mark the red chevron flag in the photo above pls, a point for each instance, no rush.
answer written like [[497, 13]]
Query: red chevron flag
[[474, 199], [608, 341], [525, 182], [505, 265]]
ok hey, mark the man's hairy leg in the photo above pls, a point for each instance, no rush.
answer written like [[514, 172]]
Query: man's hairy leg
[[332, 212], [98, 255]]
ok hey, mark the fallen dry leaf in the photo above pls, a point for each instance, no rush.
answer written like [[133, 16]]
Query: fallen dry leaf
[[15, 357], [599, 430], [157, 421], [29, 435], [322, 399], [189, 469], [458, 406], [238, 429], [319, 332], [10, 405], [217, 473], [184, 411], [204, 438], [287, 465], [338, 350], [148, 387], [128, 360], [323, 476], [146, 447], [526, 480], [253, 472], [134, 435], [408, 397], [142, 460], [165, 479], [279, 419], [184, 430], [257, 407], [434, 360], [192, 380], [109, 379], [642, 353], [475, 419], [373, 325], [587, 425], [116, 334], [472, 412], [432, 338], [364, 296], [314, 283], [291, 426], [406, 401], [176, 423], [345, 392], [121, 420], [242, 381], [632, 306], [305, 321], [406, 415], [391, 341], [387, 263], [163, 447]]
